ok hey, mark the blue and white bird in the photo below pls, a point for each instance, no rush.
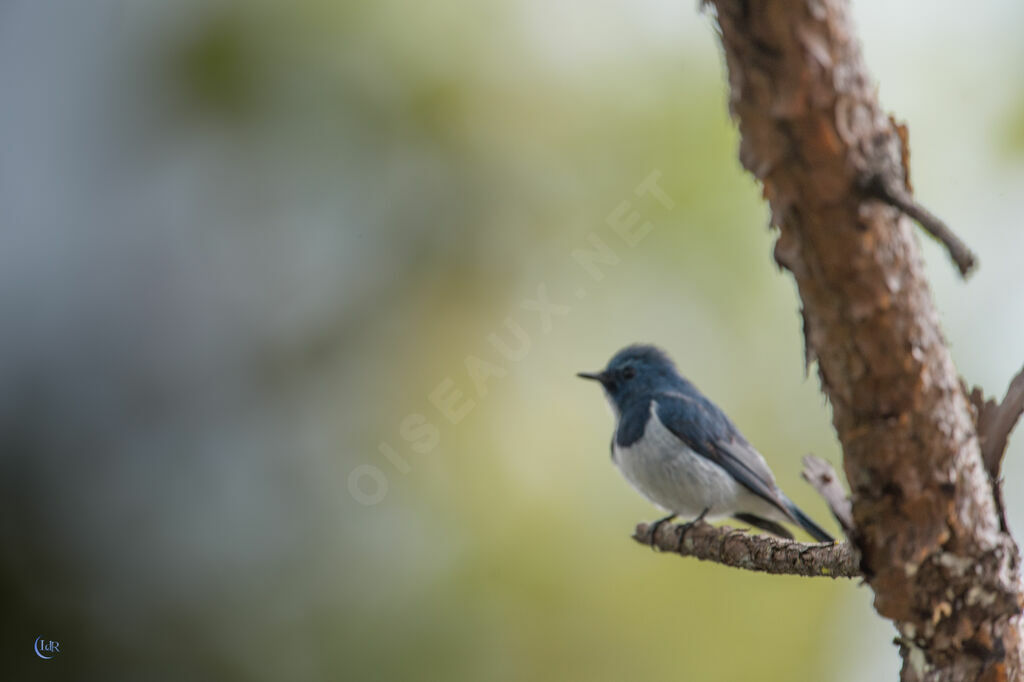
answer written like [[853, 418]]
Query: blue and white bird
[[683, 454]]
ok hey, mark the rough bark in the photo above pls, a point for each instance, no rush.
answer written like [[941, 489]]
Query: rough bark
[[764, 553], [926, 523]]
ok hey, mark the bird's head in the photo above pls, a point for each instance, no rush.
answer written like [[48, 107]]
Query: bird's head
[[635, 372]]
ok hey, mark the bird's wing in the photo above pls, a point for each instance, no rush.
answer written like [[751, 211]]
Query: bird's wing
[[708, 432]]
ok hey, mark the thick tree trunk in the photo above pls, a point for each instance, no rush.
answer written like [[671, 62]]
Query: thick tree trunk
[[927, 525]]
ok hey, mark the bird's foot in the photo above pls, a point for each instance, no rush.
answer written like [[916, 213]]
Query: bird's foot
[[653, 528], [685, 528]]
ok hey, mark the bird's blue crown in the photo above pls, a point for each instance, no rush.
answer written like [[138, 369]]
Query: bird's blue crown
[[638, 371]]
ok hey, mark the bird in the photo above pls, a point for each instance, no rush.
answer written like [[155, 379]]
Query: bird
[[681, 452]]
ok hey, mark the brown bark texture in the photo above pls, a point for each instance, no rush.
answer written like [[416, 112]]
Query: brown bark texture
[[926, 523], [752, 552]]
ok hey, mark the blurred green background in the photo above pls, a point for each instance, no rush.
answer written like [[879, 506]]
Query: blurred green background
[[243, 243]]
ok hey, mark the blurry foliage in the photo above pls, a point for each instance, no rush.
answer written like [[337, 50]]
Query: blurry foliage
[[215, 67]]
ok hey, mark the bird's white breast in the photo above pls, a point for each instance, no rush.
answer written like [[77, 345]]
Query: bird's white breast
[[671, 475]]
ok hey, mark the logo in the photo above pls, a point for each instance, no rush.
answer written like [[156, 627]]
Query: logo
[[46, 649]]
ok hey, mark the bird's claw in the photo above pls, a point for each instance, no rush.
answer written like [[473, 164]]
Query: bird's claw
[[653, 528], [685, 528]]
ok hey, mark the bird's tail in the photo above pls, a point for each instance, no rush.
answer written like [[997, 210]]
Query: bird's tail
[[805, 522]]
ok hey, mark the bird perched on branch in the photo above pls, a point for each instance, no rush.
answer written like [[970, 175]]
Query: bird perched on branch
[[683, 454]]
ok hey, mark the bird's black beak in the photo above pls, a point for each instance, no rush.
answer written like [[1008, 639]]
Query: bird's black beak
[[594, 376]]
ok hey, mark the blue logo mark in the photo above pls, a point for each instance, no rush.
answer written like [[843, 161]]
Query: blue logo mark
[[46, 649]]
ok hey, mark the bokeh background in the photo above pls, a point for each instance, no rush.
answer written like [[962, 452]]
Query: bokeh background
[[243, 243]]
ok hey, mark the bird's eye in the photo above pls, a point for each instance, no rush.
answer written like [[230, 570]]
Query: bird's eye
[[628, 373]]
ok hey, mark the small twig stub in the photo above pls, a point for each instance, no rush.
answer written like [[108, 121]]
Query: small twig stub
[[898, 197], [996, 420], [824, 479]]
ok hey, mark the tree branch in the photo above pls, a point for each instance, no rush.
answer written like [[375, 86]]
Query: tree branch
[[927, 527], [764, 553]]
